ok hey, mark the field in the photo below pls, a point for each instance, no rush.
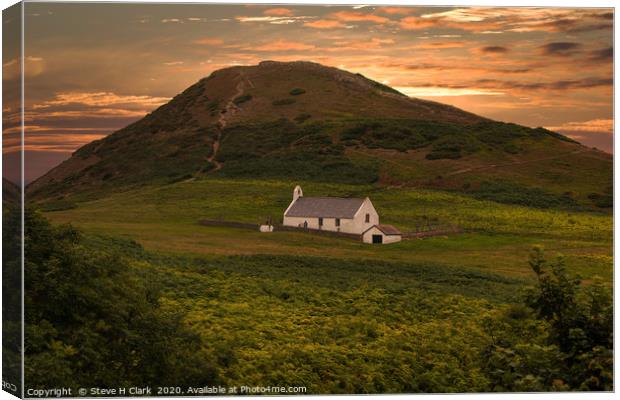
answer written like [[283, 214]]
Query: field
[[238, 307], [497, 237]]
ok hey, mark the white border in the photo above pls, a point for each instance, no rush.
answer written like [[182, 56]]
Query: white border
[[521, 3]]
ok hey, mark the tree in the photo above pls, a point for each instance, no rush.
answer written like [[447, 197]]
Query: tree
[[93, 319]]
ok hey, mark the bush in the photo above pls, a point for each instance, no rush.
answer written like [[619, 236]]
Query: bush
[[510, 193], [88, 309], [452, 147], [242, 99], [283, 102], [301, 118], [297, 92], [602, 200]]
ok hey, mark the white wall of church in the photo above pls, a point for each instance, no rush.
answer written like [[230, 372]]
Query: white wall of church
[[357, 225]]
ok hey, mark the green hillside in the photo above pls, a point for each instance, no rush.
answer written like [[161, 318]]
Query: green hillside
[[305, 121]]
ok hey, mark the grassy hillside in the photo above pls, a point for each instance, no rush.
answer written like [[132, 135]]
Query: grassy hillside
[[305, 121], [497, 237]]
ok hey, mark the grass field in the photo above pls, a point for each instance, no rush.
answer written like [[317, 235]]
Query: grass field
[[497, 237], [334, 315]]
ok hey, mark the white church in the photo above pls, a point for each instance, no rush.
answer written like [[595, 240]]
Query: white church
[[335, 214]]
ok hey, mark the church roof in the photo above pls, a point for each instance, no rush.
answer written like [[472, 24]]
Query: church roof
[[386, 229], [326, 207]]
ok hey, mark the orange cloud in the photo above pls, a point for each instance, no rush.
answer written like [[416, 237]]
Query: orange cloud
[[282, 45], [324, 24], [282, 12], [595, 125], [101, 99], [374, 43], [209, 42], [396, 10], [415, 23], [440, 45], [350, 16]]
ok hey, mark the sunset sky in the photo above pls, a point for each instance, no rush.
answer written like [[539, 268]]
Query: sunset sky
[[94, 68]]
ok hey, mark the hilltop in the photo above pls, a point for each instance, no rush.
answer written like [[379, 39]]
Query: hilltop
[[302, 120]]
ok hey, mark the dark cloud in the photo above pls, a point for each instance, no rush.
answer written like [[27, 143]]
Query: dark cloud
[[494, 49], [440, 67], [560, 48], [585, 83], [606, 54], [591, 27], [605, 16]]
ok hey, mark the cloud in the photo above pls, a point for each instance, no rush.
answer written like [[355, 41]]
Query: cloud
[[440, 45], [171, 21], [101, 99], [351, 16], [396, 10], [585, 83], [282, 45], [415, 23], [209, 42], [438, 91], [488, 19], [171, 63], [562, 49], [274, 20], [374, 43], [493, 50], [595, 125], [597, 132], [34, 66], [606, 54], [278, 12], [458, 68], [324, 24]]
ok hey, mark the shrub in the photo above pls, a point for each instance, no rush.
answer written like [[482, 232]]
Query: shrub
[[283, 102], [510, 193], [297, 92], [242, 99], [301, 118], [602, 200], [452, 147]]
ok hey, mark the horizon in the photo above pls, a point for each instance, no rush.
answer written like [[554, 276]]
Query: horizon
[[549, 67]]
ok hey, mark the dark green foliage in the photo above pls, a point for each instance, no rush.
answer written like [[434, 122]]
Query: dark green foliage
[[242, 99], [301, 118], [297, 92], [543, 131], [511, 148], [283, 102], [452, 147], [213, 106], [288, 151], [602, 200], [57, 205], [573, 351], [510, 193], [389, 134], [11, 296], [498, 133], [93, 319], [561, 339]]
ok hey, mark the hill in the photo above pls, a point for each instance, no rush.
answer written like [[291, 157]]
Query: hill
[[11, 193], [301, 120]]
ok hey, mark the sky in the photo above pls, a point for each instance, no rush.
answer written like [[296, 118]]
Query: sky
[[91, 69]]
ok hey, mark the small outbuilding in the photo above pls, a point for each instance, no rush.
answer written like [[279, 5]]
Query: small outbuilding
[[382, 234]]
